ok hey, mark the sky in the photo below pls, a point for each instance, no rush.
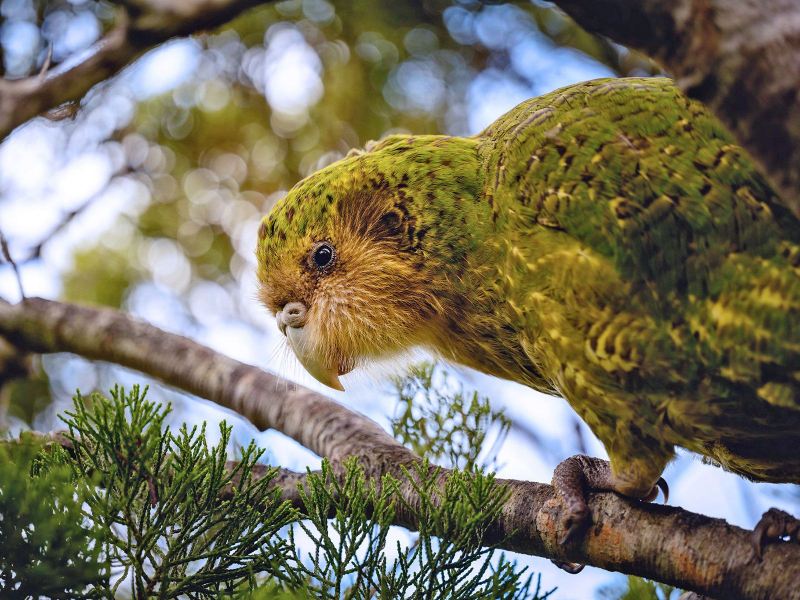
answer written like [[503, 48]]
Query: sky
[[48, 169]]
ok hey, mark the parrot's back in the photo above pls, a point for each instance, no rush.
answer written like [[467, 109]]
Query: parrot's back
[[649, 273]]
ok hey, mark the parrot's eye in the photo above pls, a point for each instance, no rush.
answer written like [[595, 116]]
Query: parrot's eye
[[323, 255]]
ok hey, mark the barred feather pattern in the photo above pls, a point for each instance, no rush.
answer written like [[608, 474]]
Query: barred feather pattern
[[661, 275], [608, 242]]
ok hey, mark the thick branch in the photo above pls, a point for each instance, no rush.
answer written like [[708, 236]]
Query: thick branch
[[152, 23], [269, 402], [662, 543], [741, 58]]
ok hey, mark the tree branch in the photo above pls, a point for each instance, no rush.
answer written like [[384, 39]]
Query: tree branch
[[139, 28], [741, 58], [663, 543]]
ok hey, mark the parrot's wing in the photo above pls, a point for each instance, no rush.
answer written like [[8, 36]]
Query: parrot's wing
[[651, 182], [636, 171]]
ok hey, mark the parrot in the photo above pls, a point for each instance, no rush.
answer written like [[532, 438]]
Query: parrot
[[608, 242]]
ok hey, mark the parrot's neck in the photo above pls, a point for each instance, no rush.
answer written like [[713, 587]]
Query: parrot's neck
[[456, 229], [465, 253]]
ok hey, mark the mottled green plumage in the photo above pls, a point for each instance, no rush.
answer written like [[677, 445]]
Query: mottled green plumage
[[608, 242]]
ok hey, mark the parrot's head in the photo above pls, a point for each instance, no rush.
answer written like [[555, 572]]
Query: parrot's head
[[350, 262]]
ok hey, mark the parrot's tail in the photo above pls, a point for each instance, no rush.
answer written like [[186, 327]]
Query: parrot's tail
[[770, 462], [758, 440]]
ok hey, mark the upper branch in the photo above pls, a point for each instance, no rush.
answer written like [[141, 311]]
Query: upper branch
[[739, 57], [663, 543], [23, 99], [141, 26]]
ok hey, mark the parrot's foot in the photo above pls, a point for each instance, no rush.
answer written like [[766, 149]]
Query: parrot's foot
[[775, 525], [577, 475]]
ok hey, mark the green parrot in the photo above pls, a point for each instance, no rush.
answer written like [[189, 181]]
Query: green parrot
[[608, 242]]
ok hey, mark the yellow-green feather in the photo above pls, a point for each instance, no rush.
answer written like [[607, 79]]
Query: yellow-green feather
[[657, 275], [609, 242]]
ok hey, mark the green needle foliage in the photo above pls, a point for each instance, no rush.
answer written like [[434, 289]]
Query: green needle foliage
[[456, 565], [47, 547], [183, 524], [442, 422], [349, 521], [134, 508]]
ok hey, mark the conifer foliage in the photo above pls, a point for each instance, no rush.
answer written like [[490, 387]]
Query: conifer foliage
[[126, 505]]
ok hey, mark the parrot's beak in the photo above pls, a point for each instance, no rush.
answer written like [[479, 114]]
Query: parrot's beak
[[303, 349]]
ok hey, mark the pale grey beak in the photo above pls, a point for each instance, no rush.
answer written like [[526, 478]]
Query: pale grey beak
[[291, 320], [310, 360]]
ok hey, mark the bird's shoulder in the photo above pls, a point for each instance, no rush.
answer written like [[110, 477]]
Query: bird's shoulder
[[635, 171]]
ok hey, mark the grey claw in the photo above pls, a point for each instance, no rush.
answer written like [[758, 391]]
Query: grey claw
[[661, 484], [570, 567], [757, 540], [664, 487]]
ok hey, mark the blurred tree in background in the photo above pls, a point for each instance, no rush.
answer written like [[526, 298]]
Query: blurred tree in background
[[283, 90], [148, 198]]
